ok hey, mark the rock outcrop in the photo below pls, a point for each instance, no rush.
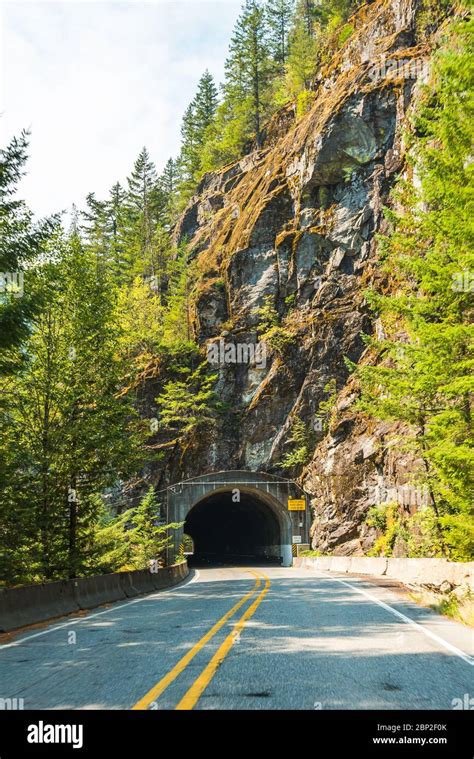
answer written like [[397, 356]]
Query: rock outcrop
[[294, 225]]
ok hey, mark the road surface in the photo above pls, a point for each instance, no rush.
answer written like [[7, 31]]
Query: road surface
[[246, 638]]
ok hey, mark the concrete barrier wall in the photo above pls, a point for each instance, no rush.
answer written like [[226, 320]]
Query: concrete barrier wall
[[136, 583], [430, 572], [169, 576], [98, 589], [37, 603]]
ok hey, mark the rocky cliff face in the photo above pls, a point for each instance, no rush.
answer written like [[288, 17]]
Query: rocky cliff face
[[294, 225]]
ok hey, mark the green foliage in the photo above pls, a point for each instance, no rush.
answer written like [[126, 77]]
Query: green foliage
[[169, 182], [197, 119], [346, 32], [249, 67], [300, 449], [67, 430], [133, 539], [304, 101], [423, 536], [269, 328], [326, 408], [424, 377], [110, 305], [302, 62], [247, 89], [377, 517], [273, 58], [279, 339], [418, 533], [279, 15], [267, 315], [431, 13], [387, 519], [110, 300], [227, 136], [21, 242], [141, 316], [310, 554], [190, 403]]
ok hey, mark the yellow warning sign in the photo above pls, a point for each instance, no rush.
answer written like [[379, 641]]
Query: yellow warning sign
[[296, 504]]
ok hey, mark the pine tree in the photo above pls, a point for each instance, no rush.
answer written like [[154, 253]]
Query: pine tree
[[74, 430], [300, 451], [93, 228], [21, 242], [133, 539], [197, 118], [279, 14], [145, 210], [205, 103], [94, 217], [307, 12], [116, 228], [177, 318], [142, 182], [169, 182], [189, 404], [229, 134], [248, 68], [424, 378], [302, 60]]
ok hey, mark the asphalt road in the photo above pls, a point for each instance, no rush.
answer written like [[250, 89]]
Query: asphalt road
[[246, 638]]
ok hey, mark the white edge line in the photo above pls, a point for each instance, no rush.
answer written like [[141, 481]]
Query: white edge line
[[78, 620], [468, 659]]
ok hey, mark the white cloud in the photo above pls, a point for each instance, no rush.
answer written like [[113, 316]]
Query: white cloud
[[97, 81]]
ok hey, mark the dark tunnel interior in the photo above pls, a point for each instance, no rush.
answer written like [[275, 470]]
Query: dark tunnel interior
[[229, 532]]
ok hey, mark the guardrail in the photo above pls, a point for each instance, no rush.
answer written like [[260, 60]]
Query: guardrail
[[30, 604], [428, 572]]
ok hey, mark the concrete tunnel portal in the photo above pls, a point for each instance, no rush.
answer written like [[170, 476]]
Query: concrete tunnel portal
[[237, 516]]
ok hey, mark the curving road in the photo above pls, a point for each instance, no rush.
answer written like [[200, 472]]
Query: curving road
[[246, 638]]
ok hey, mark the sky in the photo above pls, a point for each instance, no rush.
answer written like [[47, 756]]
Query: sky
[[96, 81]]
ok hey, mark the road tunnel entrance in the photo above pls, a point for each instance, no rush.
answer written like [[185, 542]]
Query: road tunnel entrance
[[236, 516], [225, 530]]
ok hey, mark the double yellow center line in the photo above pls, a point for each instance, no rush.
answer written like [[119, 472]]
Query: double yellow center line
[[192, 696]]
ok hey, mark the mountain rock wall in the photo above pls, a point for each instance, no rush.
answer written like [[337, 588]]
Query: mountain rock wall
[[294, 225]]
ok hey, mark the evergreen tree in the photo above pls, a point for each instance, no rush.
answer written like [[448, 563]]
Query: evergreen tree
[[133, 539], [248, 68], [73, 428], [228, 135], [279, 14], [93, 228], [21, 242], [145, 210], [198, 116], [300, 451], [307, 12], [177, 317], [142, 183], [205, 104], [169, 182], [190, 403], [115, 228], [425, 379], [302, 60], [94, 218]]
